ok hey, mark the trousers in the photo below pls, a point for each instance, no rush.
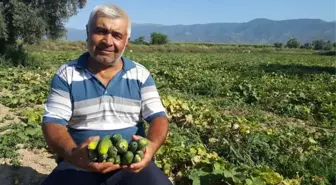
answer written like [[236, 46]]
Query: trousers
[[150, 175]]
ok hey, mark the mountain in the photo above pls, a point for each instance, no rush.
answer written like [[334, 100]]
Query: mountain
[[75, 34], [257, 31]]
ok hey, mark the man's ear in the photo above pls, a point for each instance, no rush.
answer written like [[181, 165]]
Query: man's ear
[[127, 43]]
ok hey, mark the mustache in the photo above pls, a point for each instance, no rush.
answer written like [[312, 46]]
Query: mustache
[[104, 46]]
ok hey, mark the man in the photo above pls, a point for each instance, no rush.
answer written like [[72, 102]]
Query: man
[[102, 93]]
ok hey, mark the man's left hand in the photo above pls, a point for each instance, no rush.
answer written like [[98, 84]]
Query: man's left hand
[[149, 152]]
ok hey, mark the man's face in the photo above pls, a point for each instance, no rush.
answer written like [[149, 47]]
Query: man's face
[[107, 39]]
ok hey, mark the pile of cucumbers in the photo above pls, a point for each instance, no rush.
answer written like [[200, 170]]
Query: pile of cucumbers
[[117, 150]]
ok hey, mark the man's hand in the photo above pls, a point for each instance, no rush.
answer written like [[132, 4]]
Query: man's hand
[[157, 133], [79, 157], [149, 152], [61, 143]]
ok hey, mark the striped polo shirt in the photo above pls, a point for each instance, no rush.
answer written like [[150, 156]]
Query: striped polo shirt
[[80, 101]]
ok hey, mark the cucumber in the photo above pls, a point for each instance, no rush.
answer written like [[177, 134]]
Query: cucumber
[[93, 156], [127, 158], [102, 158], [111, 159], [104, 145], [93, 144], [116, 138], [140, 153], [112, 151], [136, 158], [117, 159], [142, 143], [122, 146], [133, 146]]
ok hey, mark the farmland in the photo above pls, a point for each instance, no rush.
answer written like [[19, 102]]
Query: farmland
[[235, 117]]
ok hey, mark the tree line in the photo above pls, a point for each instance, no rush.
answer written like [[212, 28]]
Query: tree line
[[315, 44], [155, 38]]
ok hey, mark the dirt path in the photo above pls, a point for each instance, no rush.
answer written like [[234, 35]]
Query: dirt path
[[35, 164]]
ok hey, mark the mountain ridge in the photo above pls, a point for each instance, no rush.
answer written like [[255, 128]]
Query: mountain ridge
[[256, 31]]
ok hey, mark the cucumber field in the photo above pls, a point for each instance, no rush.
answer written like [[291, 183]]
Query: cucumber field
[[236, 118]]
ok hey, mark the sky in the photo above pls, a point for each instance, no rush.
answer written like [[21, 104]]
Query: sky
[[186, 12]]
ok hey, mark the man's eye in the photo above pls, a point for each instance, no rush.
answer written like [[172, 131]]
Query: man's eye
[[117, 35], [101, 32]]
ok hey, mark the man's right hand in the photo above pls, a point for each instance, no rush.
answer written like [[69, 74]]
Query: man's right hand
[[79, 157], [61, 143]]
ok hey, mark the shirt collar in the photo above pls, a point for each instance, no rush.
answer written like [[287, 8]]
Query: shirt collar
[[82, 62]]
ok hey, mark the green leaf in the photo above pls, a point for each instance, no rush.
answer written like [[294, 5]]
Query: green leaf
[[22, 136], [312, 141], [217, 166], [195, 176], [228, 174], [185, 106], [272, 178], [31, 131], [258, 181], [193, 150], [248, 182]]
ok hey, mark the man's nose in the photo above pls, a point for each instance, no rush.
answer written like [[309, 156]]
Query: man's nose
[[108, 39]]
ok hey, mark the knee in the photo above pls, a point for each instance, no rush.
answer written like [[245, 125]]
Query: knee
[[153, 175], [150, 175]]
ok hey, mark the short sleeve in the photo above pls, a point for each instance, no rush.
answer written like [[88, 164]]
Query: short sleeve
[[58, 107], [151, 106]]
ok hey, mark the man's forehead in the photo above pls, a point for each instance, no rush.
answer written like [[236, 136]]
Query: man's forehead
[[106, 22]]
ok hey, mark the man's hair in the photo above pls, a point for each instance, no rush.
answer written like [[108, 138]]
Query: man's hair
[[110, 11]]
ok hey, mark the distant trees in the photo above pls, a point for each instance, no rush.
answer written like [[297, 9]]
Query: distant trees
[[293, 43], [278, 45], [155, 39], [158, 38], [315, 45], [328, 45], [319, 44], [140, 40], [323, 45], [308, 46]]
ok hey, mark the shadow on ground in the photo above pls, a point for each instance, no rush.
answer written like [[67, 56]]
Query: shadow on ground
[[326, 53], [22, 175], [296, 69]]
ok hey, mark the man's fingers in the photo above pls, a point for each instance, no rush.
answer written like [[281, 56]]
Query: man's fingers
[[93, 167], [136, 137], [137, 165], [111, 168], [124, 166], [96, 167], [137, 171], [103, 167], [136, 168]]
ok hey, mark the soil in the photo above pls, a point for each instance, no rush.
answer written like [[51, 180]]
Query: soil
[[35, 164]]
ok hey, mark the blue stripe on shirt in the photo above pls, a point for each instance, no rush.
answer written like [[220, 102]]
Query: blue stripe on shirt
[[58, 83], [155, 115], [149, 81], [89, 89], [54, 120]]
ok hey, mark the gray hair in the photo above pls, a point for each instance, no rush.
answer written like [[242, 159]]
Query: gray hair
[[111, 11]]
